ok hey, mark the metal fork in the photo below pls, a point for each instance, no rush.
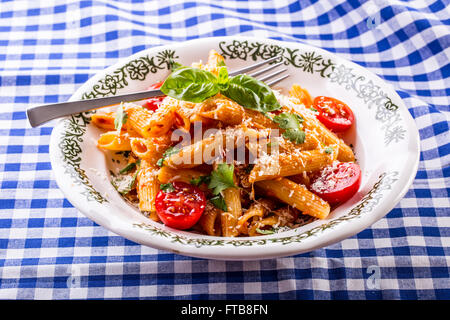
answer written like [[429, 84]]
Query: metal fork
[[42, 114]]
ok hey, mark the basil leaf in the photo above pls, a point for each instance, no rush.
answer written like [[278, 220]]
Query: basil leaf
[[174, 65], [222, 79], [251, 93], [219, 202], [190, 84]]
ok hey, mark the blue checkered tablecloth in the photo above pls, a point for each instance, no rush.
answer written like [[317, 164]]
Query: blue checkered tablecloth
[[49, 250]]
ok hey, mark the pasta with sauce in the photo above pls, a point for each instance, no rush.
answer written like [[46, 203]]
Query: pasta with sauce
[[286, 174]]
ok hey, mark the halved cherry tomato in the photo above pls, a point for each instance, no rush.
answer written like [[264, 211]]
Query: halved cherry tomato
[[333, 113], [338, 182], [181, 208], [154, 103]]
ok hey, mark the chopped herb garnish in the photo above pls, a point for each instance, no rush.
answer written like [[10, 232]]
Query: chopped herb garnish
[[199, 180], [219, 202], [130, 167], [167, 187], [328, 150], [262, 231], [292, 124], [124, 184], [169, 152], [313, 109], [120, 119], [222, 178]]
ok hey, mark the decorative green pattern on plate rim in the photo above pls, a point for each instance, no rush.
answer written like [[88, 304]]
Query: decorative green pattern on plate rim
[[370, 200], [371, 94], [71, 154]]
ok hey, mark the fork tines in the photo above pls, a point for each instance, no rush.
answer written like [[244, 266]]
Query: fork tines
[[269, 79]]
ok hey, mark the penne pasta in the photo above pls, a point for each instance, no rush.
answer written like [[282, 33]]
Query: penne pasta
[[211, 148], [301, 94], [150, 149], [167, 175], [150, 124], [226, 168], [317, 129], [148, 186], [296, 196], [104, 121], [210, 220], [290, 164], [230, 218], [114, 141], [221, 109]]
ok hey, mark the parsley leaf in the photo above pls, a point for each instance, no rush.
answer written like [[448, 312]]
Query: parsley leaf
[[169, 152], [262, 231], [291, 123], [222, 178], [130, 166], [219, 202], [199, 180], [297, 136], [167, 187], [120, 119], [328, 150]]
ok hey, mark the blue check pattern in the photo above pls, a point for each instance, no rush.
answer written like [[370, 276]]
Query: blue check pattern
[[48, 250]]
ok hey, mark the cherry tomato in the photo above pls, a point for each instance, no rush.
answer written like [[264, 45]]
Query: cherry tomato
[[154, 103], [334, 114], [338, 182], [182, 207]]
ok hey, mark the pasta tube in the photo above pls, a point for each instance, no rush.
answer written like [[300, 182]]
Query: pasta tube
[[290, 164], [105, 121], [222, 109], [150, 124], [148, 186], [301, 94], [167, 175], [114, 141], [210, 220], [296, 196]]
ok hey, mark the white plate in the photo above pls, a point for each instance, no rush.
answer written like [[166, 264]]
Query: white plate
[[385, 140]]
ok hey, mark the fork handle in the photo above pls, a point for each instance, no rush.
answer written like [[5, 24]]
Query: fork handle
[[41, 114]]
